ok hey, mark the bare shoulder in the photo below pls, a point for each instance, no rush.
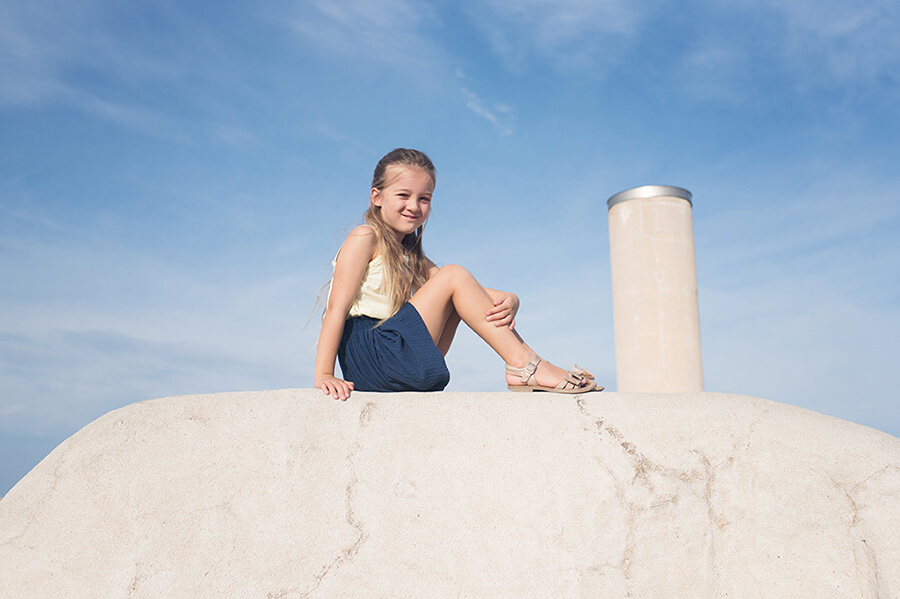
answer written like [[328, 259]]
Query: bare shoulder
[[359, 246], [363, 231]]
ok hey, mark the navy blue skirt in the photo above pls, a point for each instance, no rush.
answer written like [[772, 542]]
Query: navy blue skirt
[[399, 355]]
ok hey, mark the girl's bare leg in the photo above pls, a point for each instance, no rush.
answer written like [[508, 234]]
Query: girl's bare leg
[[446, 338], [452, 294]]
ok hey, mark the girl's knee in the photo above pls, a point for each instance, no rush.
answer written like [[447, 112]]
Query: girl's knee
[[454, 271]]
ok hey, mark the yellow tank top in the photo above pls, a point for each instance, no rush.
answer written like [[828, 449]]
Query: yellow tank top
[[371, 299]]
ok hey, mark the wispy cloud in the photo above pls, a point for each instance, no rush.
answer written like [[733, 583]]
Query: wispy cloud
[[730, 51], [798, 300], [806, 48], [392, 32], [852, 41], [131, 66], [571, 34], [36, 42], [497, 115], [129, 329], [67, 377]]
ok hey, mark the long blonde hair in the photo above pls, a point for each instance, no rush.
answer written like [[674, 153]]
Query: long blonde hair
[[405, 265]]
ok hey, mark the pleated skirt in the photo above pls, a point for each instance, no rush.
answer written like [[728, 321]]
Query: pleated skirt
[[399, 355]]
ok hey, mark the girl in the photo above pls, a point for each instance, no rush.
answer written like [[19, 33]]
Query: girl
[[391, 314]]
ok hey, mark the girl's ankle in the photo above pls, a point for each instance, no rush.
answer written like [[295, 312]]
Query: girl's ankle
[[524, 361]]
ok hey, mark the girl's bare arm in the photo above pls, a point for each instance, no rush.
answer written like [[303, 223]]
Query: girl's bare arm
[[354, 256]]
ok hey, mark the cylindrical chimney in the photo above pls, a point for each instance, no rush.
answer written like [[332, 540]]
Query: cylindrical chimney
[[654, 283]]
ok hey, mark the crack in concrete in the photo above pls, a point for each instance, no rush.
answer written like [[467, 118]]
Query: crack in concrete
[[352, 519], [602, 429], [139, 577], [868, 573], [873, 475], [876, 582], [713, 523], [643, 468]]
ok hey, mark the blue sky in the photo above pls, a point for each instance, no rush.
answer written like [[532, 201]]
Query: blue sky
[[176, 177]]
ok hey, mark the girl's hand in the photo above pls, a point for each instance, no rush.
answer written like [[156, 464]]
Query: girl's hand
[[333, 386], [504, 311]]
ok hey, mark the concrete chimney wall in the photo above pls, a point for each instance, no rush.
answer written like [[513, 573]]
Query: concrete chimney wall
[[654, 284]]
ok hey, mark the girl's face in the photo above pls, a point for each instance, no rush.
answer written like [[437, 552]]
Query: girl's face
[[406, 200]]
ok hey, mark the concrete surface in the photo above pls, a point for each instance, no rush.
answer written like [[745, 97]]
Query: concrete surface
[[288, 494]]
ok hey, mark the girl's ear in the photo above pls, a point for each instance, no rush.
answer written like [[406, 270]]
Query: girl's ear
[[375, 197]]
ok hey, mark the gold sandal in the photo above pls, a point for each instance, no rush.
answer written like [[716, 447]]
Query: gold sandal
[[577, 380]]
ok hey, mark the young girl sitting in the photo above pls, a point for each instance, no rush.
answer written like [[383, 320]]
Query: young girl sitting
[[391, 314]]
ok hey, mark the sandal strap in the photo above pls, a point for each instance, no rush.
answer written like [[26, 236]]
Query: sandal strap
[[527, 372], [579, 371], [575, 379]]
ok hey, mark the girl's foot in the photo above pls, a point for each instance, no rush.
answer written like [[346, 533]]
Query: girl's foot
[[539, 375]]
